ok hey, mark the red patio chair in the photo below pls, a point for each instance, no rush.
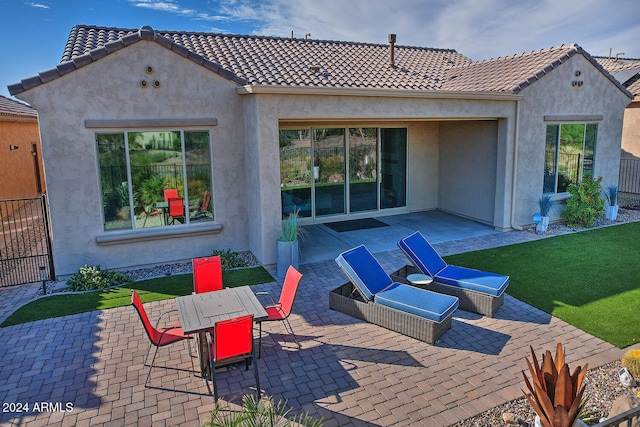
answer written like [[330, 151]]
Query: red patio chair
[[176, 210], [232, 341], [170, 193], [207, 274], [159, 337], [281, 310]]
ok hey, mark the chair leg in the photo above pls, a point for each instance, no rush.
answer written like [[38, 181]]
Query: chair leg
[[292, 333], [255, 368], [260, 341], [151, 366], [213, 381], [193, 367]]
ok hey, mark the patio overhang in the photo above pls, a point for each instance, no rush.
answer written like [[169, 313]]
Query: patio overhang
[[375, 92]]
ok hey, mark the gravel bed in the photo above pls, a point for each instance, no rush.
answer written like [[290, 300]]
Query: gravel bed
[[603, 387], [624, 215], [180, 268]]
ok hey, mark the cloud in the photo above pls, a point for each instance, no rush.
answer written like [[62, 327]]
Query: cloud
[[166, 6], [38, 5], [479, 29]]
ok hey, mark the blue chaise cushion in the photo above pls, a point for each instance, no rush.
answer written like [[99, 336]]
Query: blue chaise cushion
[[473, 280], [427, 260], [422, 254], [420, 302], [366, 274]]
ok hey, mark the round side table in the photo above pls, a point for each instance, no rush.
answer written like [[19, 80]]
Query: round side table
[[419, 279]]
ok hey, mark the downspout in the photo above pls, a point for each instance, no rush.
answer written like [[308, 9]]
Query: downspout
[[515, 167]]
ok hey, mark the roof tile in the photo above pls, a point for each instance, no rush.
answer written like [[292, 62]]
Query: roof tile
[[16, 109], [257, 60]]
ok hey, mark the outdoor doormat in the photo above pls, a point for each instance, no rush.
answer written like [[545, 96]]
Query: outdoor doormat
[[355, 224]]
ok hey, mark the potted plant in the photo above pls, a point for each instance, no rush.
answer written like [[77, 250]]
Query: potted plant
[[288, 243], [611, 209], [545, 204], [555, 393]]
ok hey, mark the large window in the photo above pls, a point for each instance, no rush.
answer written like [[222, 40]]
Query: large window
[[142, 178], [569, 155], [338, 171]]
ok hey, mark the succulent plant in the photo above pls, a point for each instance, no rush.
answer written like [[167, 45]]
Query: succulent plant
[[555, 394], [631, 361]]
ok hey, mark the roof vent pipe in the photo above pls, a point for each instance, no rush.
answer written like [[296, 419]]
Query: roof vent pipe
[[392, 42]]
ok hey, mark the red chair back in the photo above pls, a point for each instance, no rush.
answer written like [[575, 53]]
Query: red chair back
[[205, 201], [233, 338], [176, 207], [170, 193], [154, 335], [289, 290], [207, 274]]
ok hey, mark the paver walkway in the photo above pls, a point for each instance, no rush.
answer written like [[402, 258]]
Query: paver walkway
[[88, 368]]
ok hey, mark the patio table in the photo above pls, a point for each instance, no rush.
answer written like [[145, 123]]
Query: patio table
[[200, 312]]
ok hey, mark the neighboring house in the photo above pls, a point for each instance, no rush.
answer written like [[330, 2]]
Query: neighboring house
[[21, 172], [339, 130], [627, 72]]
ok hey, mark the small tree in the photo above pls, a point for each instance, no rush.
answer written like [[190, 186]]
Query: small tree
[[584, 205]]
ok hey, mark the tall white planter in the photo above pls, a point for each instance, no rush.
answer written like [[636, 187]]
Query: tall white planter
[[542, 226], [611, 212], [577, 423], [287, 255]]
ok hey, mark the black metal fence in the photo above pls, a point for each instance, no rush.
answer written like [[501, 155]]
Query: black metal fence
[[25, 244]]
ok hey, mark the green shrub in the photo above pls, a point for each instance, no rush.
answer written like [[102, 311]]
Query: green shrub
[[230, 259], [584, 205], [90, 278], [263, 412]]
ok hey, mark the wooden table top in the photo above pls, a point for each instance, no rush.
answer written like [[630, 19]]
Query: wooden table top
[[198, 312]]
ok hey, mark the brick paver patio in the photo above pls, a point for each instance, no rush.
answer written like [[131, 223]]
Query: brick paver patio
[[89, 371]]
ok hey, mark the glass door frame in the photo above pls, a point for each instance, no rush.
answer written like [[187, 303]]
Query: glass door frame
[[313, 217]]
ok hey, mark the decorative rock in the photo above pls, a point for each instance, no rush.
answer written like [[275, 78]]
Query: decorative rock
[[623, 404], [510, 418]]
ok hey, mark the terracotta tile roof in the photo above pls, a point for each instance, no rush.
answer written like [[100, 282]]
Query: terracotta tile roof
[[625, 70], [256, 60], [10, 109], [271, 61], [283, 61], [513, 73]]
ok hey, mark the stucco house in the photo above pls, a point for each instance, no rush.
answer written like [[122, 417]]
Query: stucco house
[[249, 128], [627, 72], [21, 172]]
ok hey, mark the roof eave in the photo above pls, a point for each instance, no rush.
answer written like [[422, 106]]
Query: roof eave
[[374, 92]]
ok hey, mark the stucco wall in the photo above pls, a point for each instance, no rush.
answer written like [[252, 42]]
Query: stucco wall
[[631, 131], [468, 164], [17, 167], [554, 95], [109, 89]]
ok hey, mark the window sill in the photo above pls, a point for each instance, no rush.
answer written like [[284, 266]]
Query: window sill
[[157, 233]]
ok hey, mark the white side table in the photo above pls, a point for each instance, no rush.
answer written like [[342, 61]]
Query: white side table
[[419, 279]]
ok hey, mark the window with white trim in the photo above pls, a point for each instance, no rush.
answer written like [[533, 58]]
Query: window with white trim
[[154, 178]]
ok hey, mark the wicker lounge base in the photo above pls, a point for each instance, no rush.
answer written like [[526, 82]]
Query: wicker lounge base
[[347, 300], [476, 302]]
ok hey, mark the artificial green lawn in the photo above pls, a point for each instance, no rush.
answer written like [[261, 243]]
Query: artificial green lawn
[[589, 279], [149, 290]]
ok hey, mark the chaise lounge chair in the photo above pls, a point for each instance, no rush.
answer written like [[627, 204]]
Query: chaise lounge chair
[[372, 296], [479, 291]]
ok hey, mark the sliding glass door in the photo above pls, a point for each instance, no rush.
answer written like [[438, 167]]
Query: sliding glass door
[[363, 170], [339, 171], [328, 151]]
